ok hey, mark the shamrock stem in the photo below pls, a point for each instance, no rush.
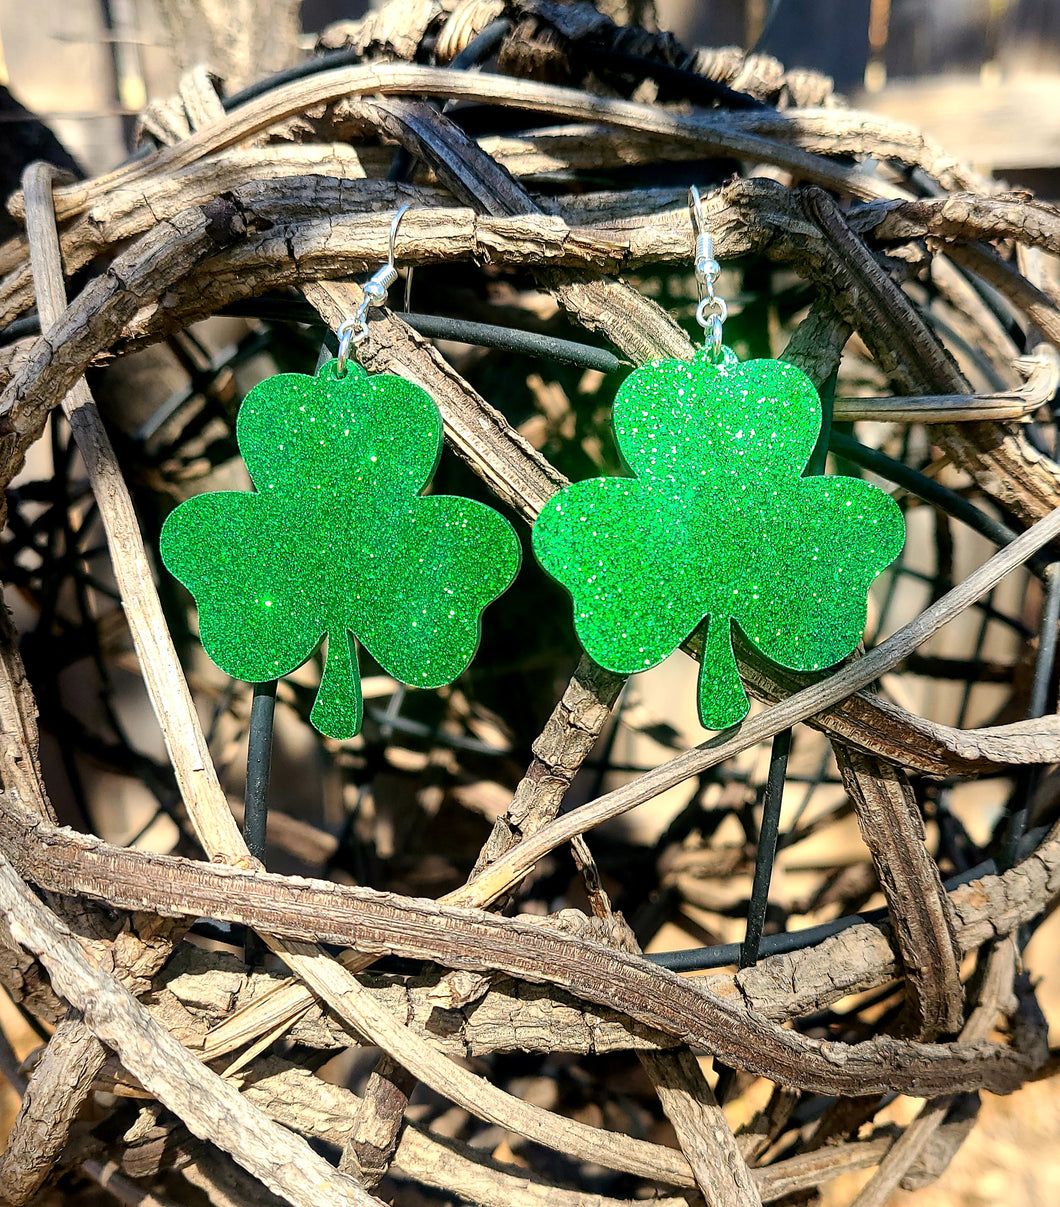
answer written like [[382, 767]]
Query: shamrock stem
[[338, 709], [722, 699]]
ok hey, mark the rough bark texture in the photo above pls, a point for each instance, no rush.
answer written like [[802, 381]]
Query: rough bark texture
[[534, 205]]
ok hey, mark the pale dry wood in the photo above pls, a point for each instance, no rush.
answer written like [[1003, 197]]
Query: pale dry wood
[[995, 998], [922, 920], [20, 770], [1027, 298], [307, 1104], [56, 1091], [703, 1133], [581, 146], [763, 76], [485, 1101], [1001, 458], [377, 923], [1041, 370], [559, 751], [394, 30], [223, 1182], [212, 1109], [270, 191], [511, 1016], [886, 730], [378, 1123], [164, 678], [210, 815], [965, 218], [107, 1176], [128, 212], [719, 132], [962, 301], [63, 1075], [25, 982]]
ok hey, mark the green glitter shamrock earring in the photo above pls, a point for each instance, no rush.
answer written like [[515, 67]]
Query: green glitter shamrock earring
[[716, 523], [338, 539]]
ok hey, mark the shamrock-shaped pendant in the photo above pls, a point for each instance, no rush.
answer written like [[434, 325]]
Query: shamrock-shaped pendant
[[337, 539], [718, 524]]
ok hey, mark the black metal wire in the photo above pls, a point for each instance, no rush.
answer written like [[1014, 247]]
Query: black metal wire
[[509, 339], [259, 766], [680, 83], [768, 834], [482, 45], [300, 71], [773, 797], [1046, 661], [699, 959], [432, 326]]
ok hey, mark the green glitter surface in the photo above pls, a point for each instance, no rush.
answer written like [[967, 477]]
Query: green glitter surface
[[718, 524], [337, 540]]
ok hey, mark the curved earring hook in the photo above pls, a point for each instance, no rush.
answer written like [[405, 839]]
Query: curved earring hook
[[354, 331], [695, 204], [711, 311], [395, 223]]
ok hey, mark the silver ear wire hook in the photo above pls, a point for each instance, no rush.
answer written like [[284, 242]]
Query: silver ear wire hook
[[711, 311], [354, 331]]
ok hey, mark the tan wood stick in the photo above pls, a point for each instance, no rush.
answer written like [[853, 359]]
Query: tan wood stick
[[725, 132], [997, 989], [164, 678], [378, 923], [922, 919], [211, 1108]]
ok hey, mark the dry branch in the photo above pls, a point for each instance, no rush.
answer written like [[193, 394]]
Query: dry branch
[[380, 923], [239, 203], [213, 1109]]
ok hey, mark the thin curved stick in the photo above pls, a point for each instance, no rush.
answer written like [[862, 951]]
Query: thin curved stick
[[803, 705]]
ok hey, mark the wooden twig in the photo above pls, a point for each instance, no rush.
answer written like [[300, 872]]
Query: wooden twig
[[922, 920], [378, 923], [994, 999], [316, 1108], [211, 1107], [724, 133], [163, 676], [800, 706]]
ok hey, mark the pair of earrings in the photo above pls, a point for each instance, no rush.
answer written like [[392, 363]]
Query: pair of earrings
[[715, 524]]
